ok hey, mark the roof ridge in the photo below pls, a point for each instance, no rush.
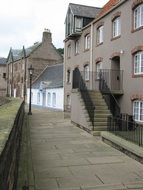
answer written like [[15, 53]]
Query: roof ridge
[[84, 5]]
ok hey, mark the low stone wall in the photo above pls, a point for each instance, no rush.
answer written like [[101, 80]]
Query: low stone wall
[[11, 120], [4, 100]]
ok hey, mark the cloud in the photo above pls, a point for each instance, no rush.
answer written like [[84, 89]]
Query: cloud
[[22, 22]]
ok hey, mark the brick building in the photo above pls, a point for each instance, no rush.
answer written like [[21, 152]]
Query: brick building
[[38, 55]]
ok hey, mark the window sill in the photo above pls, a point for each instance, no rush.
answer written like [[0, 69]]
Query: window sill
[[137, 29], [85, 50], [137, 75], [99, 44], [115, 38]]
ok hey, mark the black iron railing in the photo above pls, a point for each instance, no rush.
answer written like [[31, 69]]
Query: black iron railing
[[79, 82], [113, 78], [126, 128], [110, 99]]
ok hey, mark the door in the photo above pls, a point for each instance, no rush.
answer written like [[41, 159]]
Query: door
[[115, 78]]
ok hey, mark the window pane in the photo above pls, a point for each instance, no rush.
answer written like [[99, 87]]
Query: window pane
[[138, 63], [138, 16], [49, 99], [116, 27], [136, 110], [54, 100]]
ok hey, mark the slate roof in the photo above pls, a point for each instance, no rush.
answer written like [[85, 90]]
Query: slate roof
[[51, 77], [19, 53], [2, 60], [84, 10]]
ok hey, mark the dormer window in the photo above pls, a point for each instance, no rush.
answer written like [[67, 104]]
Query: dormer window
[[78, 24]]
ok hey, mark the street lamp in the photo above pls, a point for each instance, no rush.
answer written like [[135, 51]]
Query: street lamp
[[30, 69]]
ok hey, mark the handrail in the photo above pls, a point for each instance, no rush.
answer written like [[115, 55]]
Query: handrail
[[108, 96], [78, 82], [126, 128]]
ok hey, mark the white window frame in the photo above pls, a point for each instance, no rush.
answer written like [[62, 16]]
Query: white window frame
[[138, 110], [138, 16], [100, 34], [54, 99], [116, 27], [86, 72], [138, 63], [87, 42]]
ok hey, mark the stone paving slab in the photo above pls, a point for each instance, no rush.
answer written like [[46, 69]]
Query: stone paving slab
[[68, 158]]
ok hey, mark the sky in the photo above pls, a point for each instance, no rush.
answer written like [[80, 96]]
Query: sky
[[22, 22]]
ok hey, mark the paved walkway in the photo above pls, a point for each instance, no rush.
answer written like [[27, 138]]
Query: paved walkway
[[68, 158]]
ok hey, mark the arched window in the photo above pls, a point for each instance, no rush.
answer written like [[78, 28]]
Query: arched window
[[138, 110], [138, 16], [138, 63]]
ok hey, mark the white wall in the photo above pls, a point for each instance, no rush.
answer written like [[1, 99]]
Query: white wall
[[44, 101]]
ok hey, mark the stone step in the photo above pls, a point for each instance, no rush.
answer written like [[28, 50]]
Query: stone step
[[96, 123], [101, 111], [104, 119], [98, 115]]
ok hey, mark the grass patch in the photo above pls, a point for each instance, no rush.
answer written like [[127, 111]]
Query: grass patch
[[8, 113]]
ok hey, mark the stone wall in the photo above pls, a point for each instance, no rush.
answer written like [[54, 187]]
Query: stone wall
[[10, 149]]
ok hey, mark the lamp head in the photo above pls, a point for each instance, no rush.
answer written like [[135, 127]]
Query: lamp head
[[31, 69]]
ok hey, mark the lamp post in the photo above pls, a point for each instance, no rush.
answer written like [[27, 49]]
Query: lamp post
[[30, 69]]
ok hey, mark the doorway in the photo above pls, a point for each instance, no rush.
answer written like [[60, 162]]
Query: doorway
[[115, 75]]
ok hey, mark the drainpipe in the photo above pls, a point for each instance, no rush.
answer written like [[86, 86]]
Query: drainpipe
[[91, 57]]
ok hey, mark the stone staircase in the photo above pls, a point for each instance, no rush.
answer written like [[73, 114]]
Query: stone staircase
[[101, 112]]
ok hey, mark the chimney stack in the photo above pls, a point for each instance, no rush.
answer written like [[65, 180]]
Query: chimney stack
[[47, 36]]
